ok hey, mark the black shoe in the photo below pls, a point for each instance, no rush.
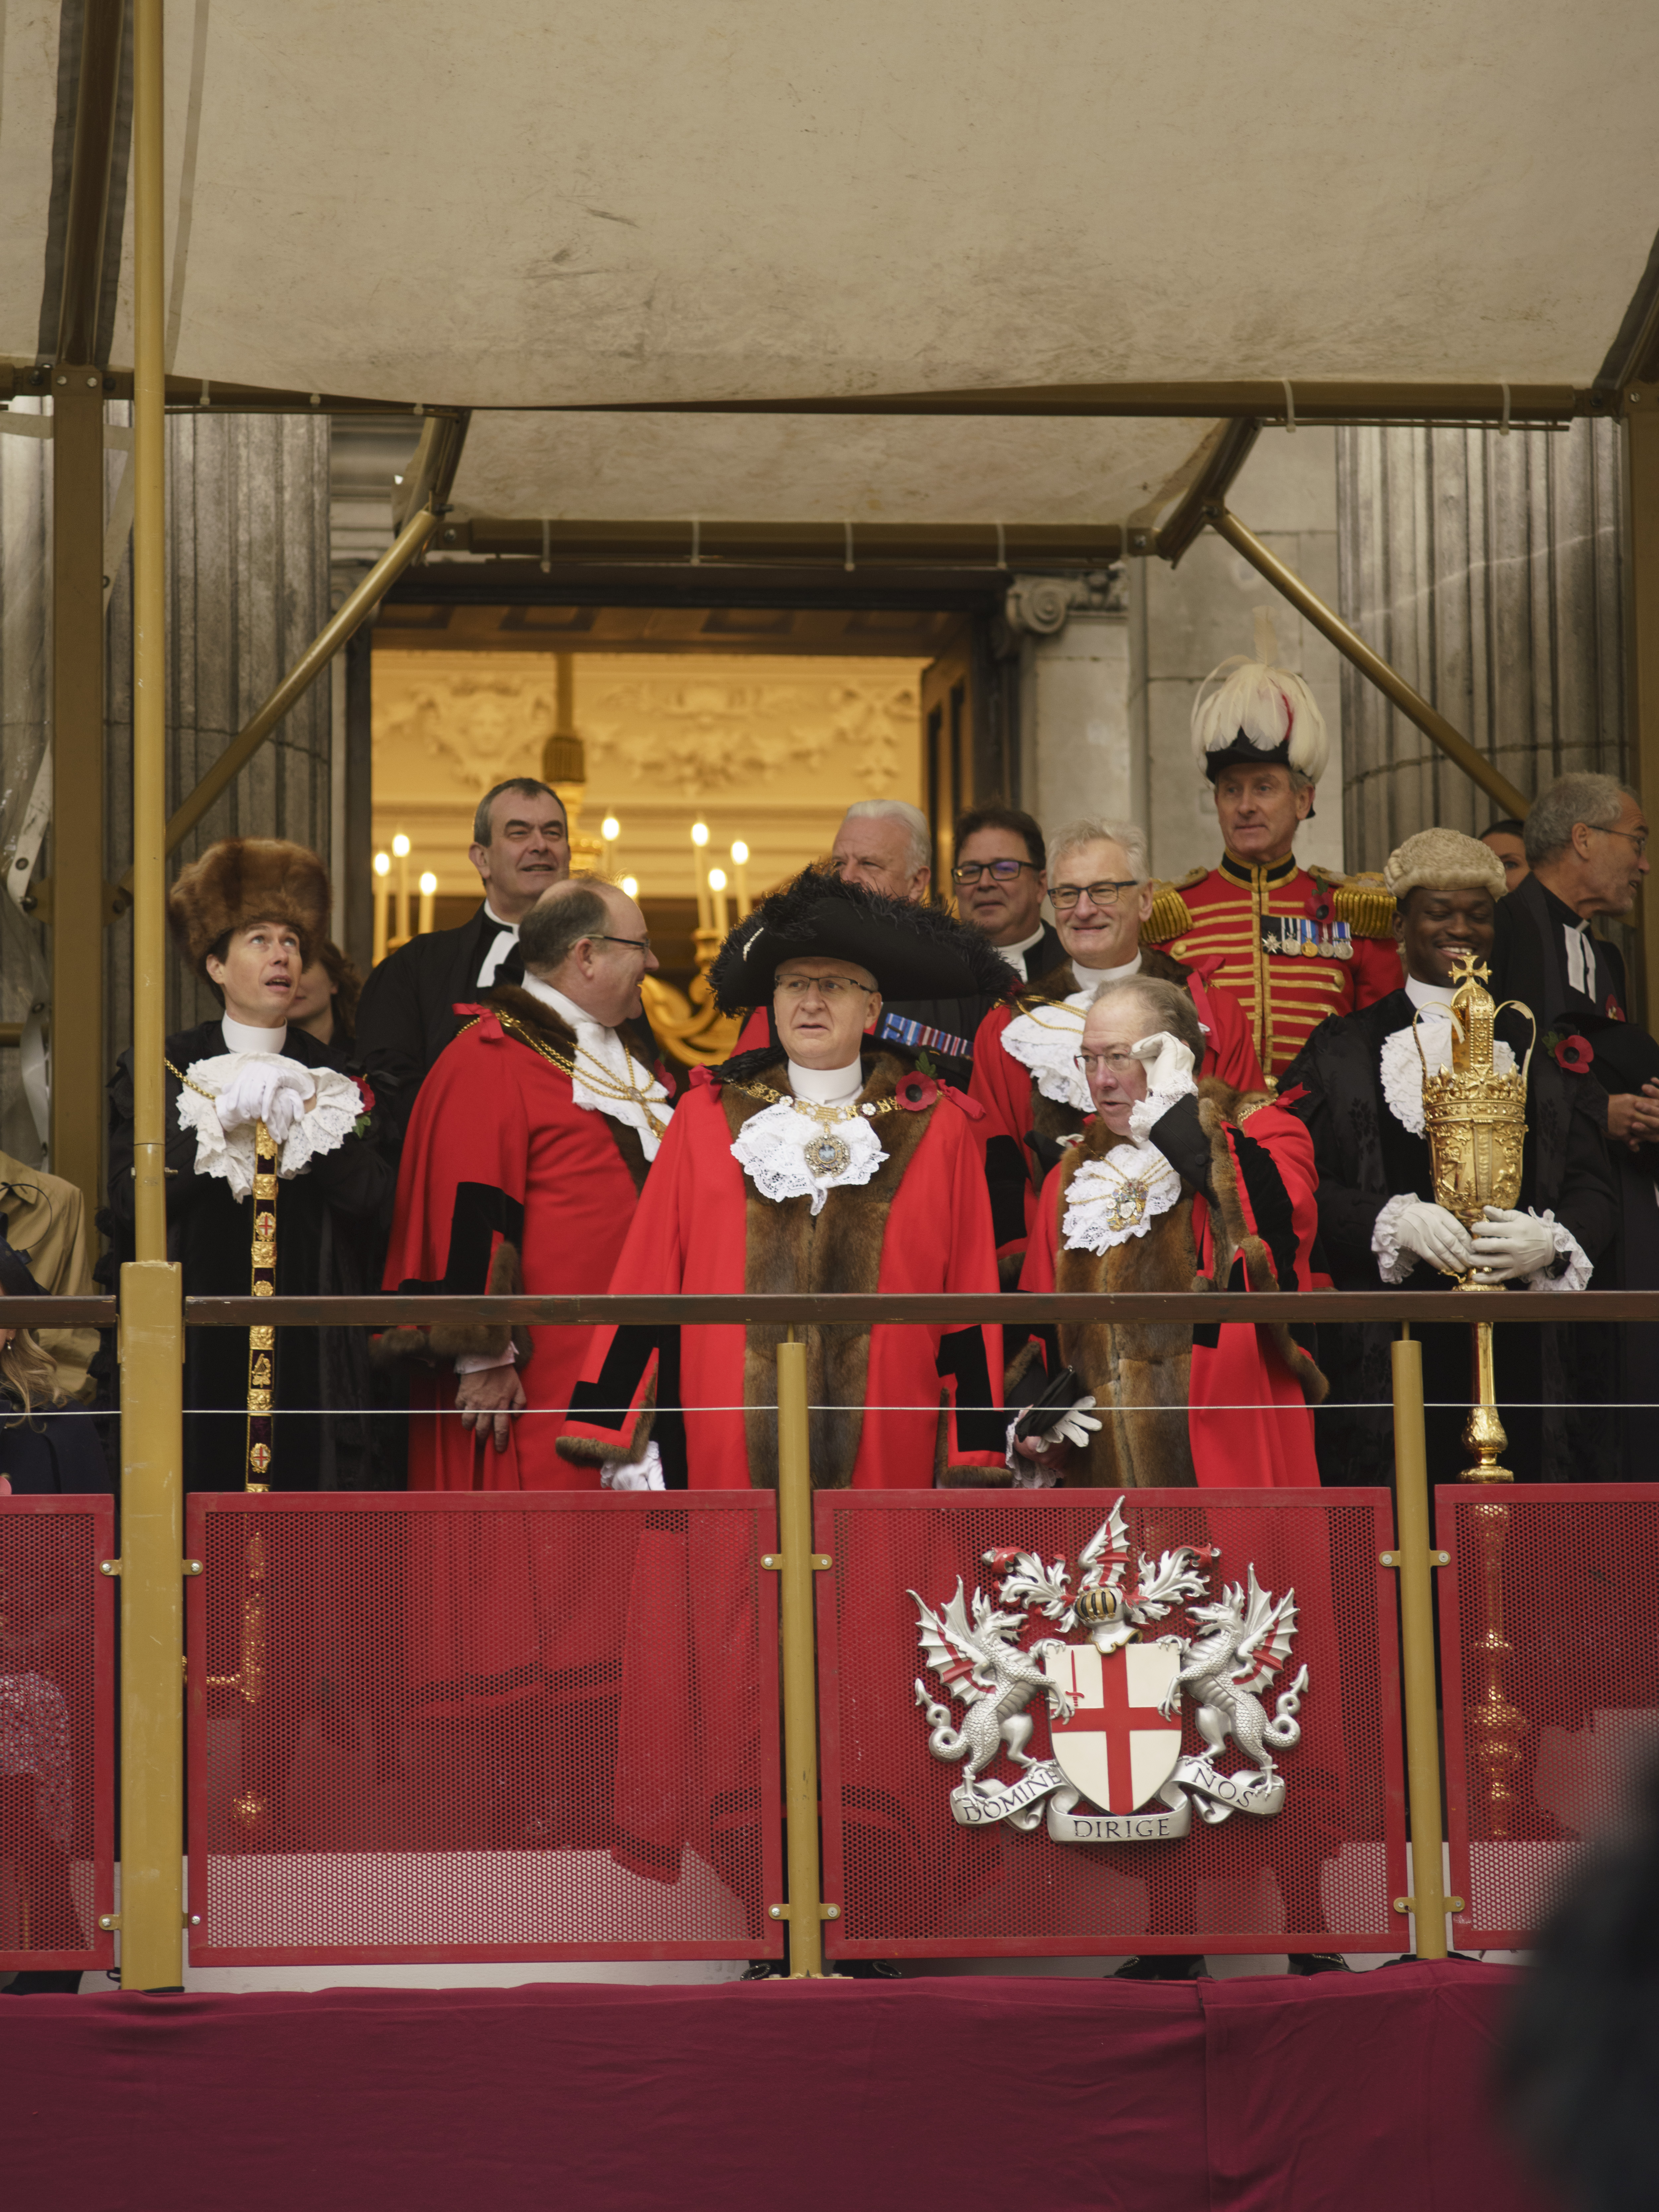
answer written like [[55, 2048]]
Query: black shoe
[[867, 1970], [765, 1970], [1162, 1966], [44, 1981], [1319, 1962]]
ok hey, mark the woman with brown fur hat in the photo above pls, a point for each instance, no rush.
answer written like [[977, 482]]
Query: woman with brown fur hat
[[251, 914]]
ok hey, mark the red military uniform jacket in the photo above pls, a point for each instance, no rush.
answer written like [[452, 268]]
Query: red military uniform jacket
[[921, 1223], [1291, 945], [506, 1185]]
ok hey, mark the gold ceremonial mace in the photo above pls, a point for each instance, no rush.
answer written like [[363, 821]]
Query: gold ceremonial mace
[[1475, 1118]]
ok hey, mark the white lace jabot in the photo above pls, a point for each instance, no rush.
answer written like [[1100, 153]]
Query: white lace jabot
[[1101, 1200], [606, 1052], [771, 1147], [1047, 1040], [323, 1127]]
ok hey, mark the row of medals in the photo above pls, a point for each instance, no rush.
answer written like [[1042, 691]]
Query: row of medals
[[1314, 940]]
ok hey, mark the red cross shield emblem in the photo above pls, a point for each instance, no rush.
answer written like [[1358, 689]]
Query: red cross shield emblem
[[1117, 1748]]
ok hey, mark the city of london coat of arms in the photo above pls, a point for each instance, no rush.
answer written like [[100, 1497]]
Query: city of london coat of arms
[[1114, 1698]]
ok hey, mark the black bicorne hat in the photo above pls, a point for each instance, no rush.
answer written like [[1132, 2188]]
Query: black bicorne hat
[[913, 951]]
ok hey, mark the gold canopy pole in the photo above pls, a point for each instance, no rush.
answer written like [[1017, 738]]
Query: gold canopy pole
[[152, 1322]]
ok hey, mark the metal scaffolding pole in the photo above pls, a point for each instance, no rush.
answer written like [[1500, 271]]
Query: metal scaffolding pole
[[152, 1330]]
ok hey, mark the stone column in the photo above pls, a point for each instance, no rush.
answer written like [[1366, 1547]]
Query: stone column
[[1184, 621], [1486, 570], [247, 591], [1077, 755]]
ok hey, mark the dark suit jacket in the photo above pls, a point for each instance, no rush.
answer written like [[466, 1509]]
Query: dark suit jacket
[[1529, 963], [406, 1014]]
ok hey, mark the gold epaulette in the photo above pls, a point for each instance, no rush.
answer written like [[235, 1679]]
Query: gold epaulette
[[1364, 902], [1170, 915]]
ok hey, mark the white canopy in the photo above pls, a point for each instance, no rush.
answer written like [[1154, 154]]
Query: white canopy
[[522, 206]]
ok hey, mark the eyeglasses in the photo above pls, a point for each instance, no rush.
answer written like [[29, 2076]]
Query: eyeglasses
[[1638, 838], [639, 944], [1116, 1064], [826, 987], [1065, 896], [1005, 872]]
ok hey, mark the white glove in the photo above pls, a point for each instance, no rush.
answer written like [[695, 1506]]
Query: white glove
[[644, 1473], [1077, 1424], [1435, 1236], [271, 1091], [1509, 1243], [1168, 1063]]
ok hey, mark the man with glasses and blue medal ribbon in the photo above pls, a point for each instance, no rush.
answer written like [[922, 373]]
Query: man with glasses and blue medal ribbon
[[1292, 945], [827, 1161]]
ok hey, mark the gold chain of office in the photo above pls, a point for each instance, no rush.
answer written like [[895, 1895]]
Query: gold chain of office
[[595, 1076]]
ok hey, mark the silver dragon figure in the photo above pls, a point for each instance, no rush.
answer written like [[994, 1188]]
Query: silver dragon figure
[[1245, 1640], [983, 1665]]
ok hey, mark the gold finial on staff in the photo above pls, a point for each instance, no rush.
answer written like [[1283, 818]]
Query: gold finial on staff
[[1474, 1115]]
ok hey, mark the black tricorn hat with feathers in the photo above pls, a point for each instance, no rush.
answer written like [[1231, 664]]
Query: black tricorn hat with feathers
[[913, 951]]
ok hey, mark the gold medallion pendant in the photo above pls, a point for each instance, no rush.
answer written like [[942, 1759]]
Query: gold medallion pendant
[[827, 1154], [1125, 1207]]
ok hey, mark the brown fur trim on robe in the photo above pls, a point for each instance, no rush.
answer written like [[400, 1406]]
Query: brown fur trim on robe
[[1141, 1371], [450, 1340], [787, 1251]]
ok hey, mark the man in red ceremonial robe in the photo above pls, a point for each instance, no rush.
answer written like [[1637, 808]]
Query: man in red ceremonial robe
[[824, 1163], [1291, 944], [1166, 1188], [525, 1155], [1026, 1074]]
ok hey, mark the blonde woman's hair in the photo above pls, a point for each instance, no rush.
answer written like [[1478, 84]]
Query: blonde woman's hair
[[27, 1372]]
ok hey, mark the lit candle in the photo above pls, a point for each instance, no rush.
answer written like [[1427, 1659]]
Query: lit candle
[[610, 830], [717, 884], [428, 889], [699, 838], [382, 899], [400, 847], [740, 862]]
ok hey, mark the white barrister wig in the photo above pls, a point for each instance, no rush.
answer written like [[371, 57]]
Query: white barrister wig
[[1258, 712], [1443, 861]]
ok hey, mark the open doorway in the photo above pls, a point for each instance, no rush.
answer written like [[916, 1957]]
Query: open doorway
[[704, 754]]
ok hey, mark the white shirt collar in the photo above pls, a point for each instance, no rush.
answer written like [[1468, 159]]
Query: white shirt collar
[[239, 1037], [1015, 954], [1430, 994], [491, 911], [826, 1086], [1097, 976], [566, 1009]]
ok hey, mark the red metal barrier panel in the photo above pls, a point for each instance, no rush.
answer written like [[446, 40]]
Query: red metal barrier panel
[[57, 1732], [1139, 1824], [1549, 1685], [521, 1725]]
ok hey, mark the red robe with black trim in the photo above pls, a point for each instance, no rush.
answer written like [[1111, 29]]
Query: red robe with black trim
[[922, 1223], [1250, 1423], [506, 1184], [1006, 1088]]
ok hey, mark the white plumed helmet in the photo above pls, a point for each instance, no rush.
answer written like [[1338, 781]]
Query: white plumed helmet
[[1258, 713]]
